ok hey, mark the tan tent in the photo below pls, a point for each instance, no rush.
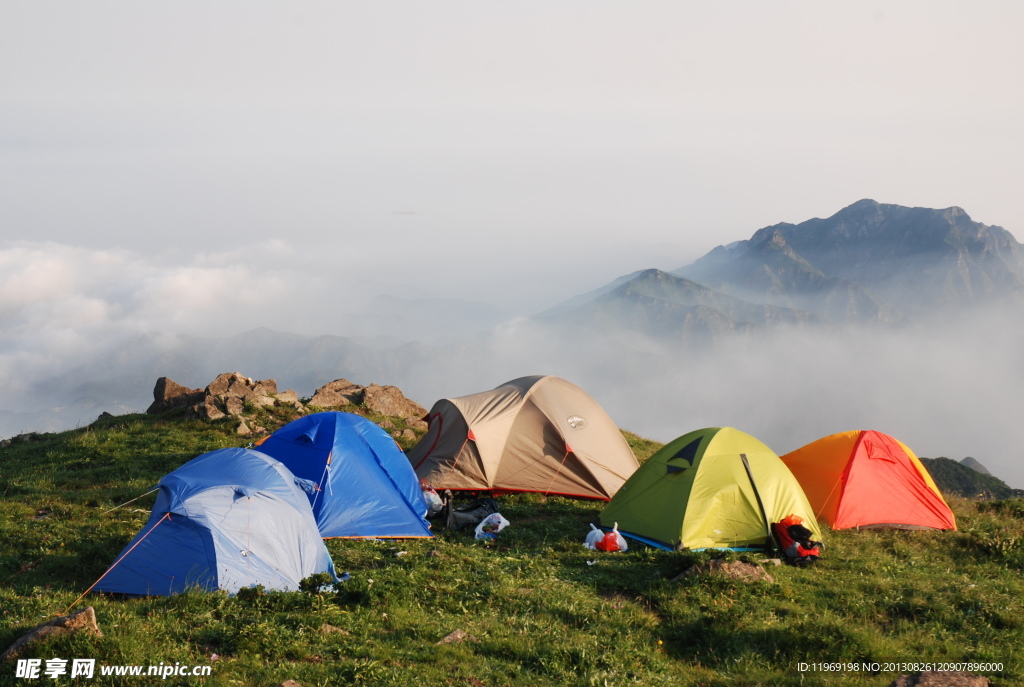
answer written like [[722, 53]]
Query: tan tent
[[538, 434]]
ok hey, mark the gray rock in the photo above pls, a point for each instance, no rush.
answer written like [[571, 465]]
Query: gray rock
[[340, 392], [417, 422], [288, 398], [234, 405], [736, 570], [239, 388], [262, 401], [168, 395], [458, 636], [207, 409], [228, 393], [219, 386], [83, 621], [267, 386], [389, 400]]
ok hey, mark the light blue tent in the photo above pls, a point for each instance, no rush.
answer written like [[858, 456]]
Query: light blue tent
[[228, 519], [366, 487]]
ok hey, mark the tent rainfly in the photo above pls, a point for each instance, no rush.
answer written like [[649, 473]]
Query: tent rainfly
[[229, 519], [532, 434], [365, 487], [868, 479], [712, 488]]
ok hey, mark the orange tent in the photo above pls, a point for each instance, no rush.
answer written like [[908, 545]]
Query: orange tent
[[868, 479]]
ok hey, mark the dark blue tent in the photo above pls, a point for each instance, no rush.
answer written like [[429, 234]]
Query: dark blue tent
[[366, 487], [228, 519]]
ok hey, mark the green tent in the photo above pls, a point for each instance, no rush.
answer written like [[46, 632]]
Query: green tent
[[712, 488]]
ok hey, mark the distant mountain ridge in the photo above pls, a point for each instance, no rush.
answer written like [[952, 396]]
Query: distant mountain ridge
[[869, 262], [647, 332], [666, 305], [957, 478]]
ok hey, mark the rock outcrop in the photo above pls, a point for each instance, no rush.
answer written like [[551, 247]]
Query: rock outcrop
[[229, 393], [386, 400], [83, 621], [735, 570], [226, 395], [389, 400], [340, 392], [21, 439], [168, 395]]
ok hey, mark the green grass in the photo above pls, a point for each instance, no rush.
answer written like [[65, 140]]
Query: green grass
[[542, 609]]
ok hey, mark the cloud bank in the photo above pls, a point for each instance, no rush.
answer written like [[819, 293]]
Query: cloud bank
[[948, 388], [62, 305], [945, 388]]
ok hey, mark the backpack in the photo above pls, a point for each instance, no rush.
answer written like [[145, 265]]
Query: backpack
[[795, 540], [471, 514]]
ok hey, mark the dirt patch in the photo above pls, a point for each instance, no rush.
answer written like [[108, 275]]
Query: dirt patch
[[734, 570]]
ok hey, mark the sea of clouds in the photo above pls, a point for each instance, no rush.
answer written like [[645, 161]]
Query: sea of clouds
[[949, 387]]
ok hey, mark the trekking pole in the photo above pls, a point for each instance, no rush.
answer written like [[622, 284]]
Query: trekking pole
[[771, 545]]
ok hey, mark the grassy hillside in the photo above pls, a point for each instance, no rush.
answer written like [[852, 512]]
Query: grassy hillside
[[541, 609], [957, 478]]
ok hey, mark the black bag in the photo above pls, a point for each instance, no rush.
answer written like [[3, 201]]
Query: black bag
[[471, 514]]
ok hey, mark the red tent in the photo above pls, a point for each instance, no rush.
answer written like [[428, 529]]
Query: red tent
[[868, 479]]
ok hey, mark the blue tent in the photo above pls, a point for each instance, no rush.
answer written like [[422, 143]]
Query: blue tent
[[228, 519], [366, 487]]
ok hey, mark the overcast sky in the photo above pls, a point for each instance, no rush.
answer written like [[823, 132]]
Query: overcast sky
[[196, 167], [554, 145]]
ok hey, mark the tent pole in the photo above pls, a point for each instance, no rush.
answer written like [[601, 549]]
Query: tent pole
[[772, 544]]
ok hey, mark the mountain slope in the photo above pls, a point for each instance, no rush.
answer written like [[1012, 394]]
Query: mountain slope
[[870, 262], [975, 465], [955, 478], [540, 602], [661, 304], [767, 269]]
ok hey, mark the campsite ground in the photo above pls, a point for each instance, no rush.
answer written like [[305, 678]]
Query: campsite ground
[[539, 609]]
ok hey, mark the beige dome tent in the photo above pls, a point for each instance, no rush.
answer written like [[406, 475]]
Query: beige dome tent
[[537, 434]]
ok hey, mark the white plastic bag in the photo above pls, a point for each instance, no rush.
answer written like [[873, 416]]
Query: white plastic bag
[[606, 541], [490, 526], [593, 536], [434, 502]]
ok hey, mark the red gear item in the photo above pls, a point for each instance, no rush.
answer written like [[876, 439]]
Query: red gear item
[[793, 549], [610, 542]]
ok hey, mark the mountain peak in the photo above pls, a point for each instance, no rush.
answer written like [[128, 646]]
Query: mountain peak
[[770, 237], [868, 207], [652, 273], [653, 278], [870, 260], [863, 204], [956, 212], [975, 465]]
